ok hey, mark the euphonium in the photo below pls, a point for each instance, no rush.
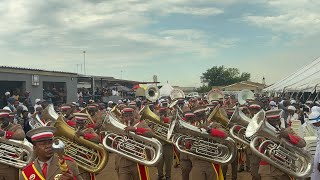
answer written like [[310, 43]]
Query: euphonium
[[130, 145], [203, 145], [16, 153], [280, 153], [238, 123], [89, 156], [159, 128]]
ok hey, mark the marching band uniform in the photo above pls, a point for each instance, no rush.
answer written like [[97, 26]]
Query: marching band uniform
[[269, 172], [12, 131], [127, 169], [167, 155], [49, 170], [88, 134], [314, 118], [253, 159], [185, 162], [204, 170]]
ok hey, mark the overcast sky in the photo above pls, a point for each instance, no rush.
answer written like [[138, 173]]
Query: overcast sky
[[177, 40]]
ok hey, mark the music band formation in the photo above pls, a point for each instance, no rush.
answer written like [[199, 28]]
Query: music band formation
[[201, 136]]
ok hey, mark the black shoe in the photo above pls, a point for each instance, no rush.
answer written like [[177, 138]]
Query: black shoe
[[168, 178]]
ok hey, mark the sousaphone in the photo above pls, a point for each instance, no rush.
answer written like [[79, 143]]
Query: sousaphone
[[244, 95]]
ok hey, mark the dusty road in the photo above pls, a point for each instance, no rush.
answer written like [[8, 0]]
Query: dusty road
[[110, 174]]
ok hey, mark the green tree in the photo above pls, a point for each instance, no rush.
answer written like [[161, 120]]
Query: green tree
[[221, 76]]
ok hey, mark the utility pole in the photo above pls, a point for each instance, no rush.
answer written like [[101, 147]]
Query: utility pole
[[84, 62]]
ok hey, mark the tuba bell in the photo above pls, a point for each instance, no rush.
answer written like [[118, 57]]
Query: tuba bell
[[244, 95], [238, 123], [218, 114], [89, 156], [280, 153], [203, 145], [152, 93], [175, 95], [16, 153], [159, 128], [130, 145], [214, 95], [49, 114]]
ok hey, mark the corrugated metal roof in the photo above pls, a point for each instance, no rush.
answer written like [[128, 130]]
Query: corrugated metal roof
[[32, 69]]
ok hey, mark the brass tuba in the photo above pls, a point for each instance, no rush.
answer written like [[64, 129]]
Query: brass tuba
[[214, 95], [50, 114], [244, 95], [152, 93], [203, 145], [16, 153], [130, 145], [280, 153], [89, 156], [115, 110], [159, 128], [238, 123], [219, 115]]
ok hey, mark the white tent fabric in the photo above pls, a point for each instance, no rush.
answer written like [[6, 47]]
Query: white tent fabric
[[306, 79], [165, 90]]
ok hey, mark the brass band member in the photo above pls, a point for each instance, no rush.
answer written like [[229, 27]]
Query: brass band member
[[185, 162], [88, 134], [204, 170], [253, 159], [167, 155], [269, 172], [9, 131], [46, 165], [127, 169]]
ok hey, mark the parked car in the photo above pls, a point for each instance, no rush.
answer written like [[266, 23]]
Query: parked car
[[192, 95]]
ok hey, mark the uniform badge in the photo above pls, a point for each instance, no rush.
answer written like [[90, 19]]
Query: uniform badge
[[32, 177]]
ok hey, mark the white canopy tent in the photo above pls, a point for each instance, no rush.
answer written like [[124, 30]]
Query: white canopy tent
[[165, 90], [306, 79]]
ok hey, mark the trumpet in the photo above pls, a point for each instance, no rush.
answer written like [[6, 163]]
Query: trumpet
[[203, 145], [280, 153], [130, 145]]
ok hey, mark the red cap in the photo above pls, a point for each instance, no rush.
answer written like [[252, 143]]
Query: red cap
[[93, 105], [255, 106], [189, 115], [127, 110], [80, 116], [4, 113]]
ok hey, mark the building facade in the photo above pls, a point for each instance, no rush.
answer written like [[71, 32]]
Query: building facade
[[38, 82]]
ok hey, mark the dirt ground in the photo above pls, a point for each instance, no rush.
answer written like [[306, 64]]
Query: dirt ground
[[110, 173]]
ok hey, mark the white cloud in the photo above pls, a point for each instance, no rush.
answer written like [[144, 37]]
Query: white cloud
[[193, 11], [297, 17]]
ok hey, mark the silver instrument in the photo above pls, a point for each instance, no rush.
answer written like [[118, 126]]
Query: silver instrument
[[238, 123], [203, 145], [280, 153], [140, 149], [244, 95], [152, 93], [16, 153]]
